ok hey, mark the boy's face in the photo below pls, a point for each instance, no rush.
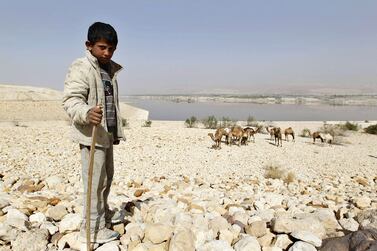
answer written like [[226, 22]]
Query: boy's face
[[102, 50]]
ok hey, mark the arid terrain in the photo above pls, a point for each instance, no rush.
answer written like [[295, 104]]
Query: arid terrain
[[179, 193]]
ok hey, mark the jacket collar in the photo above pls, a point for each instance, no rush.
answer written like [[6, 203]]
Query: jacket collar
[[93, 60]]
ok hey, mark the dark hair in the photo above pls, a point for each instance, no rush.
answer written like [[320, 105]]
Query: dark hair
[[98, 31]]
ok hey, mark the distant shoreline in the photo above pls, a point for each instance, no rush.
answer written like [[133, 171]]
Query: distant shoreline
[[336, 100]]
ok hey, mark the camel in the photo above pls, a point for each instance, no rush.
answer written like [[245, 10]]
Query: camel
[[316, 135], [271, 132], [277, 135], [287, 132], [250, 131], [220, 132], [245, 137], [324, 137], [237, 133]]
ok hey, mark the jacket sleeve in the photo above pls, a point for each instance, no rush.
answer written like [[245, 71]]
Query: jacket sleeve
[[76, 89]]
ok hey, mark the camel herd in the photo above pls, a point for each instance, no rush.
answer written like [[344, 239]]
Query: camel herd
[[241, 136]]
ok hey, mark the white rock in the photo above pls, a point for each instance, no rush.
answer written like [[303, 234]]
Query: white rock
[[70, 222], [233, 210], [246, 243], [183, 219], [14, 213], [259, 205], [302, 246], [218, 223], [216, 245], [273, 199], [7, 233], [53, 181], [349, 224], [72, 239], [4, 201], [241, 217], [256, 228], [111, 246], [282, 241], [200, 222], [34, 240], [37, 217], [202, 236], [226, 235], [134, 231], [52, 229], [57, 212], [288, 225], [18, 223], [266, 215], [183, 240], [271, 249], [158, 233], [307, 237], [236, 230], [141, 247]]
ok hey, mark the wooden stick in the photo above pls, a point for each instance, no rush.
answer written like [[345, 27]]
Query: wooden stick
[[89, 186]]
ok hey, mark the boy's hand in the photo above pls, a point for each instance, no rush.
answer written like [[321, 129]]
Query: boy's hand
[[95, 115]]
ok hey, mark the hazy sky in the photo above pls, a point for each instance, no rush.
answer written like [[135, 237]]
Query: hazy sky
[[187, 46]]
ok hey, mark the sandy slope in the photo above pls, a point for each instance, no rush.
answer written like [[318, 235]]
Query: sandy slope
[[28, 103]]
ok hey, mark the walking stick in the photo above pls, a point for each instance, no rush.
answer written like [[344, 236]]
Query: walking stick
[[89, 192]]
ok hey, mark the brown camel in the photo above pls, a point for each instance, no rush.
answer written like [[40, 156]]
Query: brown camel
[[287, 132], [316, 135], [277, 135], [237, 133], [220, 132], [325, 137], [250, 131]]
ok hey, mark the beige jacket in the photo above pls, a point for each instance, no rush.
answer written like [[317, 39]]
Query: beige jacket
[[83, 89]]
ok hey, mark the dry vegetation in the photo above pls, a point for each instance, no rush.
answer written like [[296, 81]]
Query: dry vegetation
[[276, 172]]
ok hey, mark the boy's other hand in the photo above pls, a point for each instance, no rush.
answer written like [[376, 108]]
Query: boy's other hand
[[95, 115]]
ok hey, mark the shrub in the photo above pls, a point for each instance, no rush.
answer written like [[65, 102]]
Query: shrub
[[191, 122], [250, 120], [291, 177], [372, 129], [210, 122], [275, 172], [305, 132], [227, 122], [350, 126], [147, 123], [334, 130]]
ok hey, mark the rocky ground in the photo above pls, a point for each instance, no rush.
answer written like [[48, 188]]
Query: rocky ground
[[177, 193]]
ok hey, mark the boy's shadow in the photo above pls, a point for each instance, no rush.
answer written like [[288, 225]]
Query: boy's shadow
[[372, 156]]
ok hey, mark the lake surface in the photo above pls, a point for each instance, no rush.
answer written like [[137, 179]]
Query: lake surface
[[168, 110]]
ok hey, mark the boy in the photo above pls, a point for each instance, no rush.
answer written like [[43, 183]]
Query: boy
[[91, 98]]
